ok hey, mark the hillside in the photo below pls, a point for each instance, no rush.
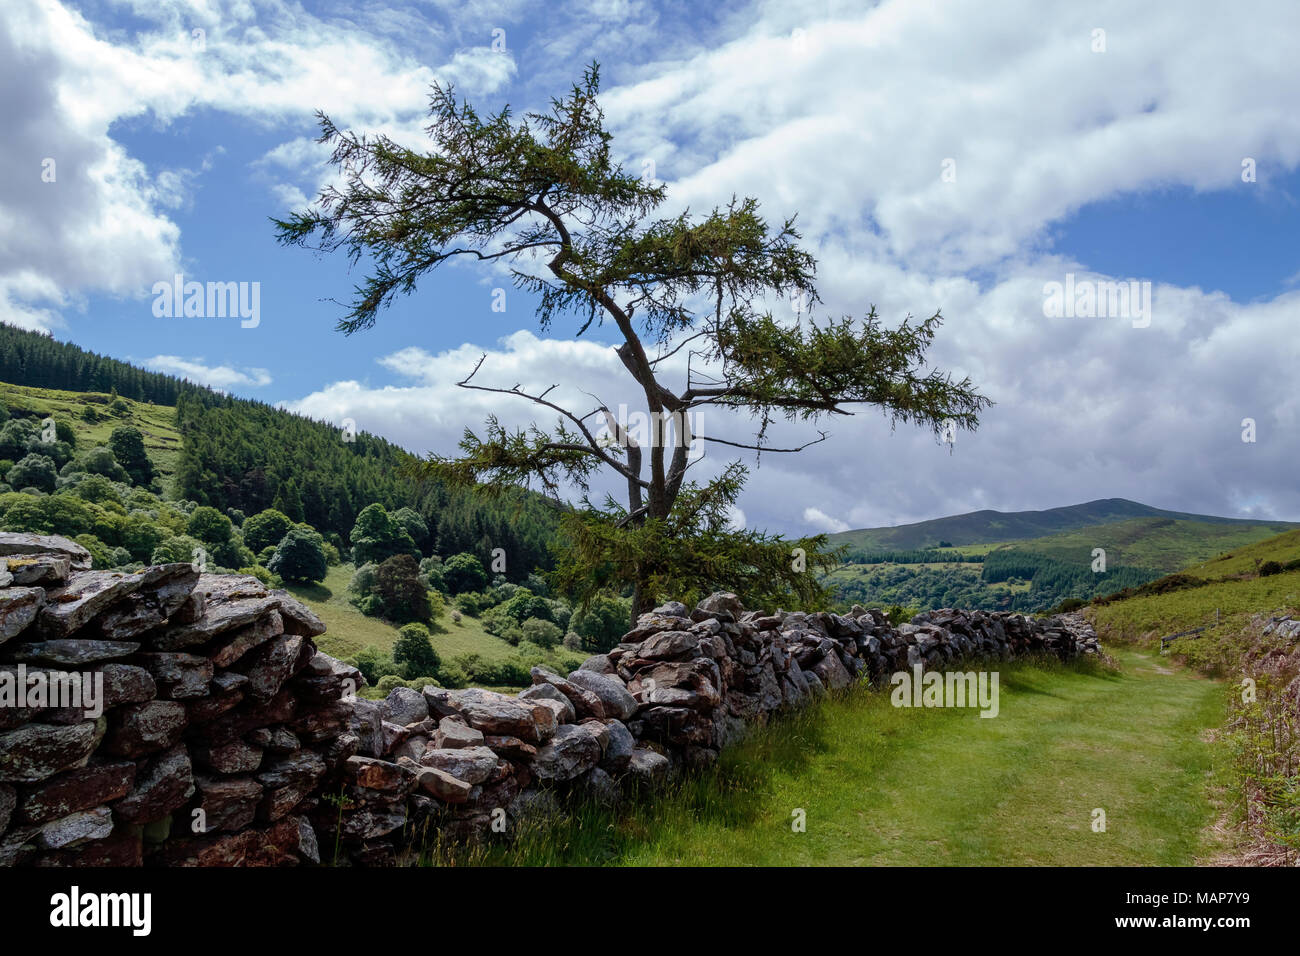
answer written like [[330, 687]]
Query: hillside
[[157, 423], [1165, 544], [231, 453], [990, 527]]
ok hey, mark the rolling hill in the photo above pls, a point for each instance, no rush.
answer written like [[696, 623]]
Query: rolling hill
[[993, 527]]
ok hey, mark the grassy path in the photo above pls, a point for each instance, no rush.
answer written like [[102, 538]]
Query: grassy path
[[883, 785]]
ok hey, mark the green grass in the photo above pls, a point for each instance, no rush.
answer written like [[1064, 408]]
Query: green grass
[[1281, 548], [348, 630], [157, 423], [887, 786], [1146, 619], [1165, 544]]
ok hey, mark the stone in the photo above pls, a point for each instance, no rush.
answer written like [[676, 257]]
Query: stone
[[8, 800], [21, 544], [500, 714], [600, 663], [77, 828], [165, 785], [229, 602], [442, 703], [139, 729], [511, 747], [599, 787], [610, 689], [35, 752], [283, 741], [669, 645], [18, 609], [324, 678], [126, 684], [308, 846], [71, 607], [585, 703], [298, 618], [444, 786], [473, 765], [403, 706], [647, 768], [545, 691], [164, 590], [380, 775], [723, 606], [830, 670], [178, 675], [573, 751], [45, 570], [228, 803], [618, 752], [303, 767], [73, 653], [268, 667], [234, 757], [232, 646], [75, 790], [454, 733]]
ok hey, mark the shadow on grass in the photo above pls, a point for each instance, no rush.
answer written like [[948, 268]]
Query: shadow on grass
[[310, 592]]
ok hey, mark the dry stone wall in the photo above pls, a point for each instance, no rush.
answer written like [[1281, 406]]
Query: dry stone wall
[[227, 738]]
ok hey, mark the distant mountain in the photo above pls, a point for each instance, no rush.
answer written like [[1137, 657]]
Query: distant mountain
[[993, 527]]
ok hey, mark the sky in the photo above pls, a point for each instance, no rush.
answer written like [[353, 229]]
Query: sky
[[968, 158]]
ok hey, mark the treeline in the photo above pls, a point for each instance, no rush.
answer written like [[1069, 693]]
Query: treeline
[[248, 456], [38, 360], [928, 556], [244, 457], [1050, 577]]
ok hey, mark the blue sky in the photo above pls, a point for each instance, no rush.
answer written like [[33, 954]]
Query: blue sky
[[1118, 163]]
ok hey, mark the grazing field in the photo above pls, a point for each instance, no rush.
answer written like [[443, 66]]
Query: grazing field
[[881, 785], [349, 630], [157, 423]]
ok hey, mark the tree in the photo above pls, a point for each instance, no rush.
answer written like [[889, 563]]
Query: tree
[[398, 586], [127, 445], [209, 525], [101, 461], [545, 188], [463, 572], [376, 536], [414, 525], [299, 557], [34, 471], [180, 548], [601, 624], [266, 529], [65, 433], [414, 648]]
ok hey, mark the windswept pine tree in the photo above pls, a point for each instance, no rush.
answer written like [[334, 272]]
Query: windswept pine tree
[[544, 191]]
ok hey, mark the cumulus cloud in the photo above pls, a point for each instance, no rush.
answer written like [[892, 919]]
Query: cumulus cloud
[[821, 521], [221, 377], [80, 216]]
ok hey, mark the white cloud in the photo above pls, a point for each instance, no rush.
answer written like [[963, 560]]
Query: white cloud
[[821, 521], [221, 377], [103, 225]]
